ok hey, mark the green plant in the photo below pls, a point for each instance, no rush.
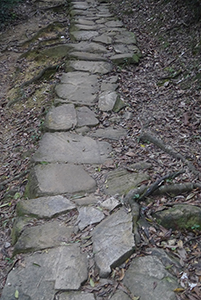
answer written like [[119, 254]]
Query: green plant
[[6, 10]]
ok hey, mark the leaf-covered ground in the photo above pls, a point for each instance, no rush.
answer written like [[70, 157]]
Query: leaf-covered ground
[[163, 94]]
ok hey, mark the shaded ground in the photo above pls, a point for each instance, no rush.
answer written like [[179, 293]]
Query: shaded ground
[[163, 93]]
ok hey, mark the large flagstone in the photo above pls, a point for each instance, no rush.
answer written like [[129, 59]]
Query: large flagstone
[[56, 179], [73, 148]]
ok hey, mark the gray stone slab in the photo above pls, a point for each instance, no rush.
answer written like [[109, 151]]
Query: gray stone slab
[[44, 207], [83, 35], [80, 5], [121, 181], [148, 279], [78, 87], [40, 274], [87, 200], [125, 58], [89, 47], [119, 295], [120, 48], [110, 84], [54, 179], [107, 100], [43, 236], [126, 37], [84, 21], [76, 296], [110, 203], [86, 117], [88, 27], [104, 39], [94, 67], [87, 56], [114, 24], [113, 241], [109, 133], [61, 118], [73, 148], [72, 269], [89, 215], [107, 86]]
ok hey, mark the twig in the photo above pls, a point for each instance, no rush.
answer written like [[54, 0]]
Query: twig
[[146, 136], [22, 174]]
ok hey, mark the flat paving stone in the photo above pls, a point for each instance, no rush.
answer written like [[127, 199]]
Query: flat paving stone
[[104, 39], [125, 58], [43, 273], [43, 236], [88, 216], [44, 207], [86, 117], [126, 37], [72, 270], [76, 296], [114, 24], [107, 100], [54, 179], [87, 200], [94, 67], [88, 47], [84, 21], [109, 133], [147, 272], [83, 35], [110, 203], [121, 181], [78, 88], [62, 117], [87, 56], [73, 148], [119, 295], [113, 241]]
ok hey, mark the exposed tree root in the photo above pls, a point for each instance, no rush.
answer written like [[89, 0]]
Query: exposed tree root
[[156, 188], [146, 136]]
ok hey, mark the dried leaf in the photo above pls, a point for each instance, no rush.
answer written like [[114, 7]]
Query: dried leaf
[[178, 290], [16, 294], [92, 284]]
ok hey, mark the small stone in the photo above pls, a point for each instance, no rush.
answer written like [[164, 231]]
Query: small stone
[[107, 100], [88, 216], [7, 245], [110, 203]]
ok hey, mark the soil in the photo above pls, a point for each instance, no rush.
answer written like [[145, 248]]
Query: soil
[[163, 93]]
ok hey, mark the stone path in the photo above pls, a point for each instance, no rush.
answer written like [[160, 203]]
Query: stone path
[[66, 233]]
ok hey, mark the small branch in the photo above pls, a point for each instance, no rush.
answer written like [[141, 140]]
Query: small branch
[[146, 136], [5, 182]]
